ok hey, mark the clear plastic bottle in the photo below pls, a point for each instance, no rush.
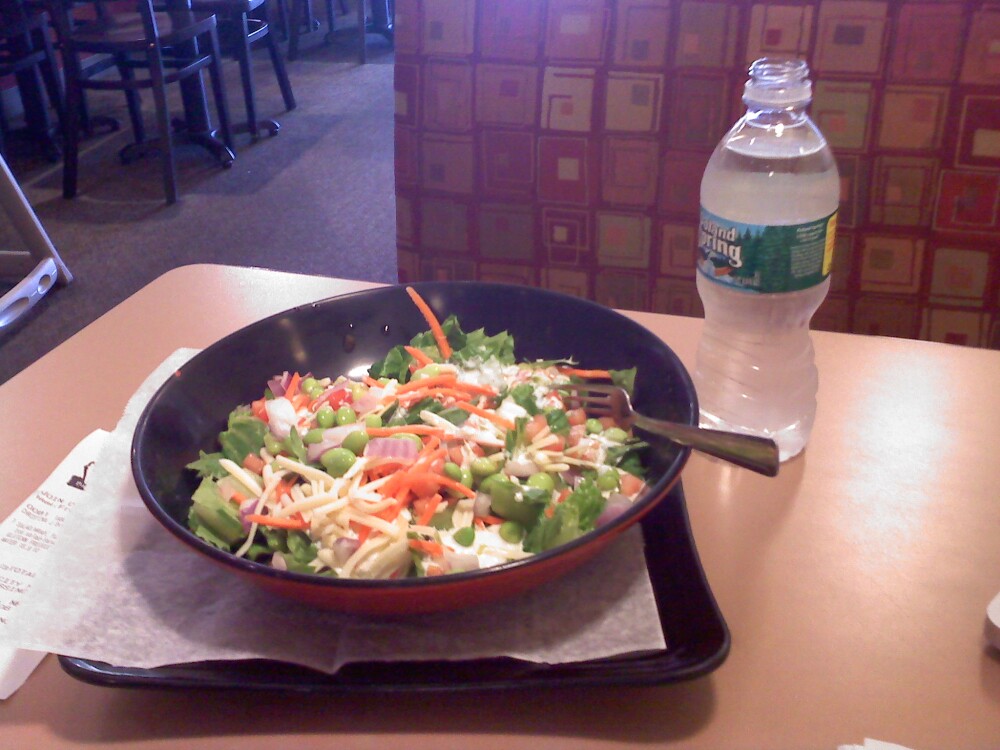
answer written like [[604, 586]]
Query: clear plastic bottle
[[769, 201]]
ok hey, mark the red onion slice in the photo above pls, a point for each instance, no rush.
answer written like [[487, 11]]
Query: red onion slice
[[404, 450], [617, 505], [279, 384]]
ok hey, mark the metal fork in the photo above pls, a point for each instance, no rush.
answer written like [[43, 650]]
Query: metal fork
[[749, 451]]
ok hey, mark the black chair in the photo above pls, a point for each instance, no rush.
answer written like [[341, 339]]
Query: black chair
[[243, 23], [164, 45], [26, 52]]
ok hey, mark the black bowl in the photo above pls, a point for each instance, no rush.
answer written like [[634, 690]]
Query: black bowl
[[344, 335]]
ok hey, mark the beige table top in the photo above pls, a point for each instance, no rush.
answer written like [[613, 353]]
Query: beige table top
[[855, 584]]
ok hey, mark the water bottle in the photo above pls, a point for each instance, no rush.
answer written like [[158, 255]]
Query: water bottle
[[769, 199]]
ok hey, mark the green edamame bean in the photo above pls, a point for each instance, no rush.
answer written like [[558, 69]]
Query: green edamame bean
[[617, 434], [594, 426], [313, 436], [346, 415], [355, 442], [415, 439], [453, 471], [465, 536], [608, 480], [511, 531], [308, 384], [542, 481], [326, 417], [373, 420], [337, 461], [482, 467], [427, 371], [504, 503], [272, 444]]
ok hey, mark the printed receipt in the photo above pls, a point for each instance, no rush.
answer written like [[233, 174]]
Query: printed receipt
[[25, 538]]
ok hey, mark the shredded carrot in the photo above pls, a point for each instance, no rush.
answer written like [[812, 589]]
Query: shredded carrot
[[432, 321], [595, 374], [371, 382], [482, 390], [430, 508], [431, 548], [412, 429], [293, 386], [490, 415], [239, 498], [441, 480], [361, 530], [420, 356], [278, 523], [447, 379]]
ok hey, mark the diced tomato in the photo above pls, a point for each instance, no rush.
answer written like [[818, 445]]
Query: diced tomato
[[536, 425], [258, 409], [631, 484], [576, 416], [576, 434]]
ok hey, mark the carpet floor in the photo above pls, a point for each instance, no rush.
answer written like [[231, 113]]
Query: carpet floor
[[318, 198]]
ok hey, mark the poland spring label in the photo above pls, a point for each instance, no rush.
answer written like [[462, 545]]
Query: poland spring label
[[765, 259]]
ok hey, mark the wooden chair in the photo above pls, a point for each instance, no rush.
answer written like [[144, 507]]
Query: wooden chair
[[243, 23], [164, 45], [26, 51]]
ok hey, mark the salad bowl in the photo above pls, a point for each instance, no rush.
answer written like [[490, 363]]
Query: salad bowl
[[345, 335]]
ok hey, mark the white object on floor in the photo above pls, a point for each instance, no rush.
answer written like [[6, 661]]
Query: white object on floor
[[871, 744]]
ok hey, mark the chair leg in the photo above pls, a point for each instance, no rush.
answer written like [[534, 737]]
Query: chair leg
[[71, 125], [163, 124], [246, 72], [300, 10], [219, 92], [132, 100], [362, 33], [279, 71]]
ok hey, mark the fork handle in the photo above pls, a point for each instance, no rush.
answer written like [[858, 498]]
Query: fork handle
[[749, 451]]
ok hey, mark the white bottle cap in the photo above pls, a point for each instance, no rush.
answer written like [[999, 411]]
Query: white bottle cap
[[778, 83]]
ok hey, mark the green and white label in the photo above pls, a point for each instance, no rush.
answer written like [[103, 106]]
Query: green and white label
[[765, 259]]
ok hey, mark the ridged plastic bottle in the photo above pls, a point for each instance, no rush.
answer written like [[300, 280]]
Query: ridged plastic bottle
[[769, 199]]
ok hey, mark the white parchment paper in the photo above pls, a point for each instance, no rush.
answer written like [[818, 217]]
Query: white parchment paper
[[118, 588]]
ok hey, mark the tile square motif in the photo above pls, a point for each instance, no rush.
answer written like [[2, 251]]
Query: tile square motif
[[968, 202], [903, 190], [843, 260], [629, 171], [706, 35], [447, 162], [642, 30], [576, 283], [565, 234], [633, 102], [507, 232], [408, 27], [964, 328], [406, 147], [627, 291], [510, 29], [508, 162], [680, 183], [914, 57], [891, 264], [406, 89], [447, 100], [407, 265], [623, 240], [886, 316], [567, 99], [850, 36], [677, 297], [779, 31], [508, 273], [913, 118], [981, 63], [448, 269], [677, 250], [406, 226], [444, 225], [979, 132], [448, 27], [576, 30], [853, 183], [841, 110], [959, 276], [506, 94], [699, 112], [565, 168]]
